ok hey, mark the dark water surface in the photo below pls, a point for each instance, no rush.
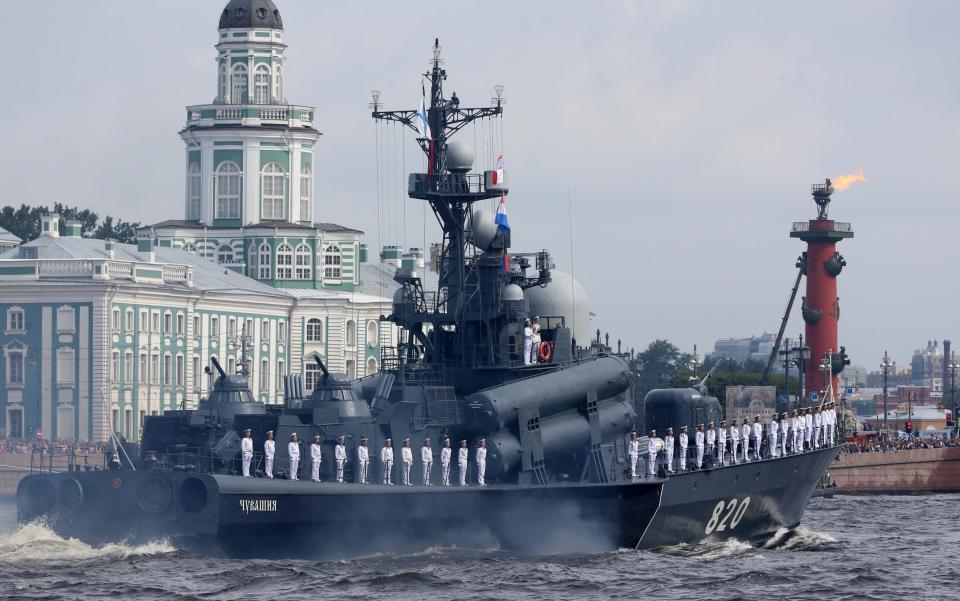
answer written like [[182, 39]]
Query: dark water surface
[[880, 547]]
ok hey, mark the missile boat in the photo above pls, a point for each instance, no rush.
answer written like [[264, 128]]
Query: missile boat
[[556, 430]]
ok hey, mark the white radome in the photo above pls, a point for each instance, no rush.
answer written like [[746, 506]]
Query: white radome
[[559, 298], [459, 157]]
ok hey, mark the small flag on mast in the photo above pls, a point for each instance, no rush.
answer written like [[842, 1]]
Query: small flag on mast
[[503, 226], [420, 119], [498, 171]]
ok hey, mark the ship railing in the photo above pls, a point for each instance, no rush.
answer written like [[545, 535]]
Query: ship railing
[[838, 226], [44, 460]]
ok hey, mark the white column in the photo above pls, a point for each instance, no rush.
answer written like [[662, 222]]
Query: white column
[[48, 357], [251, 181], [207, 195], [293, 202], [83, 375]]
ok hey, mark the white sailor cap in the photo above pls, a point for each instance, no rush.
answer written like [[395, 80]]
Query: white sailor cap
[[294, 435], [388, 440], [247, 430], [341, 437], [269, 431], [317, 437]]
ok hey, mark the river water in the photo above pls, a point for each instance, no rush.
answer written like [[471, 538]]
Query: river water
[[876, 547]]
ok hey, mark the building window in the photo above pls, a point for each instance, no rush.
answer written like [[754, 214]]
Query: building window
[[167, 323], [193, 192], [128, 325], [306, 182], [116, 420], [196, 372], [278, 85], [167, 368], [261, 85], [263, 264], [155, 319], [280, 374], [371, 366], [225, 254], [15, 320], [231, 365], [248, 327], [196, 326], [15, 354], [284, 262], [155, 368], [114, 322], [351, 334], [143, 375], [224, 91], [304, 262], [143, 321], [65, 366], [231, 327], [128, 367], [128, 424], [264, 375], [314, 330], [181, 323], [265, 330], [115, 366], [311, 375], [180, 375], [281, 331], [214, 326], [228, 191], [239, 84], [372, 331], [351, 369], [332, 262], [190, 248], [272, 193], [66, 321]]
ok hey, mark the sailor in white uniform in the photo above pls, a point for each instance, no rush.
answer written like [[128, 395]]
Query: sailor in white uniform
[[711, 440], [808, 428], [246, 452], [797, 424], [757, 437], [481, 462], [831, 424], [445, 454], [293, 452], [722, 442], [535, 343], [684, 443], [784, 433], [269, 450], [315, 459], [669, 449], [386, 462], [699, 440], [652, 453], [734, 434], [340, 455], [773, 432], [633, 452], [463, 456], [406, 459], [426, 457], [817, 428], [363, 460], [527, 341], [745, 432]]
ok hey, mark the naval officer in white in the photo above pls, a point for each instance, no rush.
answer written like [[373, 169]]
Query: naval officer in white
[[315, 456], [293, 452], [386, 462], [426, 457], [246, 452], [269, 450], [445, 455], [406, 461], [699, 443], [633, 452], [363, 460], [340, 456], [463, 456], [482, 462]]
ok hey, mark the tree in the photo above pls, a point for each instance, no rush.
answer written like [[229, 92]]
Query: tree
[[24, 223], [121, 231], [658, 365]]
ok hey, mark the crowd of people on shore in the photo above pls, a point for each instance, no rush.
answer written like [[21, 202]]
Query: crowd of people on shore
[[58, 446], [887, 445]]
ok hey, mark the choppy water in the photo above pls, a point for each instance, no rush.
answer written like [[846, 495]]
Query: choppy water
[[849, 548]]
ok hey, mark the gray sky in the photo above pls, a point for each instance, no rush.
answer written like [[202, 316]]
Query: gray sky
[[688, 134]]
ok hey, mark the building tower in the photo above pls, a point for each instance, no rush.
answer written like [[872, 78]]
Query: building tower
[[249, 152], [821, 263]]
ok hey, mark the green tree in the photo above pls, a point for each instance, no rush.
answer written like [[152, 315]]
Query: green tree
[[658, 365], [121, 231]]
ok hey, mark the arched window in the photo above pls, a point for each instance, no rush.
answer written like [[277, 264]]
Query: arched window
[[372, 332], [263, 263], [239, 84], [306, 185], [278, 86], [190, 248], [272, 188], [331, 261], [304, 261], [261, 85], [225, 254], [314, 330], [284, 262], [371, 366], [193, 192], [224, 91], [351, 334], [228, 191]]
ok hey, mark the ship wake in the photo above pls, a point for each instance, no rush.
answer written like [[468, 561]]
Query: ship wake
[[801, 539], [36, 542]]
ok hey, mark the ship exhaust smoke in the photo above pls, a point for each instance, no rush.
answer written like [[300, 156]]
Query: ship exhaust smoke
[[842, 182]]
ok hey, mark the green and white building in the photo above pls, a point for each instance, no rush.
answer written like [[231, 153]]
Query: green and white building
[[249, 192], [96, 335]]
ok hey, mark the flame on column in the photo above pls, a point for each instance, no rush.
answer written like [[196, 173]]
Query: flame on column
[[842, 182]]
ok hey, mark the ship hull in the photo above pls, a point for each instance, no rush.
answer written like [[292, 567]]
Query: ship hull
[[256, 517]]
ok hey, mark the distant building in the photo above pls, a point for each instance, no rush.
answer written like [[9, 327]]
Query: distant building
[[8, 240], [757, 348], [927, 366]]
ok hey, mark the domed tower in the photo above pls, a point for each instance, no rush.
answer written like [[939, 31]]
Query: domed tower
[[249, 152]]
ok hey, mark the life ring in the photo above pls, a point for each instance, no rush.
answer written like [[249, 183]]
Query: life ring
[[546, 351]]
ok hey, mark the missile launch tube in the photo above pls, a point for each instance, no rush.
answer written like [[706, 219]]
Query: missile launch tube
[[551, 393], [562, 434]]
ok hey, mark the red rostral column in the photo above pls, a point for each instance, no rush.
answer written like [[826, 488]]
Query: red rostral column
[[821, 263]]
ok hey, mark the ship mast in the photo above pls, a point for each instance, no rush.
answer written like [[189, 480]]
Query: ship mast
[[450, 192]]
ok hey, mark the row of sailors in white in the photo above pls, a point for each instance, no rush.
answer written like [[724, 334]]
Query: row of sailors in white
[[531, 340], [426, 459], [809, 428]]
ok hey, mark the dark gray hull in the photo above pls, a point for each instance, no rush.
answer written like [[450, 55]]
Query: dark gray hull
[[255, 517]]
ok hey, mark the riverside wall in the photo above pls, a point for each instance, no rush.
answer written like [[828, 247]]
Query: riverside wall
[[909, 471]]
